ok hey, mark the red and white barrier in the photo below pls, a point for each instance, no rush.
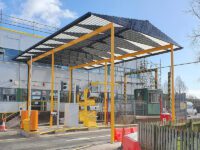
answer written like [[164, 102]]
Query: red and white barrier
[[130, 142], [3, 127], [128, 137]]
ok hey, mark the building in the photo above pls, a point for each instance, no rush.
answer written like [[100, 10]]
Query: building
[[13, 77]]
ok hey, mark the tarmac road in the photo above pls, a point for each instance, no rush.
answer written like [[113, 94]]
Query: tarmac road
[[67, 141]]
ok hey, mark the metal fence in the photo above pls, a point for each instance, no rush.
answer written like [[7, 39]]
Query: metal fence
[[155, 137]]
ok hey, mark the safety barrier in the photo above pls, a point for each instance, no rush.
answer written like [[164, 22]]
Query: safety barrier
[[130, 144], [129, 138], [120, 132], [3, 127]]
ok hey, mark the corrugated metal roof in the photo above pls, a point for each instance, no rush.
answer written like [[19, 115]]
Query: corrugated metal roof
[[131, 35]]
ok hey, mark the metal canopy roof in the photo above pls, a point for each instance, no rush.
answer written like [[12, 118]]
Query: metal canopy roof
[[131, 35]]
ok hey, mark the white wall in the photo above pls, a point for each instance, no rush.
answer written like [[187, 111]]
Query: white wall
[[17, 41], [11, 107]]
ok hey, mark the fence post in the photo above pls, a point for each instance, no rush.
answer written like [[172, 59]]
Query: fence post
[[181, 140], [188, 139], [166, 139], [192, 139], [176, 139], [196, 141]]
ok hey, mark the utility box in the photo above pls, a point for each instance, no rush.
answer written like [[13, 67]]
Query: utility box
[[71, 115], [147, 101]]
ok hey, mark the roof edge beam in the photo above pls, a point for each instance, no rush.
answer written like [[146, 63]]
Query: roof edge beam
[[124, 56], [66, 45]]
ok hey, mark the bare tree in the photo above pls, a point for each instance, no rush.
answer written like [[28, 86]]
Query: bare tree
[[165, 87], [195, 10], [180, 86]]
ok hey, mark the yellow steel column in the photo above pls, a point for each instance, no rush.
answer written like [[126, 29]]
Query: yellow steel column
[[70, 84], [29, 96], [105, 93], [29, 87], [52, 90], [112, 122], [172, 85]]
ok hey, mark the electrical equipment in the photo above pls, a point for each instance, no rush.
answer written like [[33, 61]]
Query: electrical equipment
[[147, 101], [71, 115]]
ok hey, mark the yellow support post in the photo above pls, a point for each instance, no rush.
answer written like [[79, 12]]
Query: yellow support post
[[112, 122], [29, 87], [70, 84], [52, 90], [29, 96], [85, 105], [105, 93], [172, 85]]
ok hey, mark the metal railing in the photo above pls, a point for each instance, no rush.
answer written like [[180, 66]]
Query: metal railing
[[32, 26]]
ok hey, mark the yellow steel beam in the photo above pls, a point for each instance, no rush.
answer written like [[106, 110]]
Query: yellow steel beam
[[140, 52], [52, 90], [172, 85], [105, 93], [70, 84], [112, 122], [66, 45]]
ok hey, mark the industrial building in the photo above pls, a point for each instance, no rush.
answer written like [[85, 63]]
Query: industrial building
[[13, 83]]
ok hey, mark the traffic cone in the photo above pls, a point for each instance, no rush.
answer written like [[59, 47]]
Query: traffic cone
[[3, 126]]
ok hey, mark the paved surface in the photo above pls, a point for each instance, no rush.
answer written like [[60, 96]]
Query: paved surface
[[194, 116], [66, 141]]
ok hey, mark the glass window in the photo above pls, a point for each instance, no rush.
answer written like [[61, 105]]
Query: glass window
[[8, 94], [8, 54], [154, 97]]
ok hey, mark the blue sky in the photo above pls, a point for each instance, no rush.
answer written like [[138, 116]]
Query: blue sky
[[170, 16]]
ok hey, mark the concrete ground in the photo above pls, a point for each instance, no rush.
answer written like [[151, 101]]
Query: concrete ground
[[90, 140], [107, 146], [194, 116]]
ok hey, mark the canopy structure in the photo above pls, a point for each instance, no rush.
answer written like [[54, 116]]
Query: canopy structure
[[131, 35], [95, 40]]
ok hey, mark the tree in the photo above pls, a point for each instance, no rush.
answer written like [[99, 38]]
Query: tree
[[180, 86], [195, 10], [165, 87]]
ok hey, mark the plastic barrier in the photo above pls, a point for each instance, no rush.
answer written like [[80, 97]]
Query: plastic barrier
[[3, 127], [165, 117], [24, 115], [34, 120], [120, 132], [26, 125], [130, 144], [29, 124], [133, 129]]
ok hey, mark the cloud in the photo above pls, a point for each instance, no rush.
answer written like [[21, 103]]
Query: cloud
[[49, 12], [2, 5], [194, 93]]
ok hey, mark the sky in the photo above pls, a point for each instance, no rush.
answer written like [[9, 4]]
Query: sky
[[171, 17]]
